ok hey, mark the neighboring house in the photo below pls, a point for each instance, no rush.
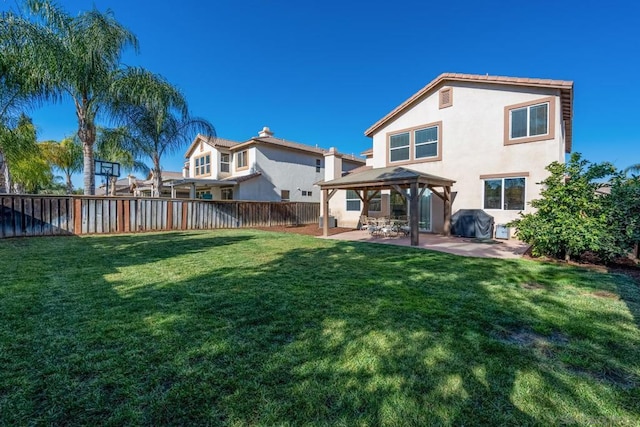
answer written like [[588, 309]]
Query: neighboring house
[[487, 138], [145, 188], [124, 187], [263, 168]]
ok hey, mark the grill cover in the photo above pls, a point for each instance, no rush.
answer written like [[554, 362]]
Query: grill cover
[[472, 223]]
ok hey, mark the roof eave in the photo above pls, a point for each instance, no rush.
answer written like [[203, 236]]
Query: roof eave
[[497, 80], [194, 144]]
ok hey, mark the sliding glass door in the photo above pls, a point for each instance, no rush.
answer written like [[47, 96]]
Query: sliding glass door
[[400, 208]]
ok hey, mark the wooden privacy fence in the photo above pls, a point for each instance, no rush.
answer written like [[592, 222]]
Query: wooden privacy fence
[[35, 215]]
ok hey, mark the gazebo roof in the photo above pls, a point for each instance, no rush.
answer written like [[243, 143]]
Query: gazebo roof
[[385, 177]]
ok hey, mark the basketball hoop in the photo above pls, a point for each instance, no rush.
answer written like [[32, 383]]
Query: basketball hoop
[[108, 169]]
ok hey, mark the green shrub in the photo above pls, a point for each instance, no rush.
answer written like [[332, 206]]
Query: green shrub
[[571, 217], [623, 211]]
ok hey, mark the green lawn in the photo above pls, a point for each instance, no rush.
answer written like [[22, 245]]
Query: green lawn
[[246, 327]]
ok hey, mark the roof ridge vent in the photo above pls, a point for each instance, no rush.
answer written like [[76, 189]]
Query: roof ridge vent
[[265, 132]]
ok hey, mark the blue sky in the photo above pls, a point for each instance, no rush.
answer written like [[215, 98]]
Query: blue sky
[[322, 72]]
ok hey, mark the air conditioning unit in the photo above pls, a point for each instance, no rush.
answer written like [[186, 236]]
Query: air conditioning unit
[[333, 223], [502, 231]]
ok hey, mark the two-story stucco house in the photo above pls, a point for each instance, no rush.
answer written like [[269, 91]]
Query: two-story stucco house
[[484, 139], [262, 168]]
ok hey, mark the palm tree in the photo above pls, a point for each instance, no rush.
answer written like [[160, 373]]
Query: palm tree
[[111, 146], [77, 56], [65, 156], [156, 118], [633, 168]]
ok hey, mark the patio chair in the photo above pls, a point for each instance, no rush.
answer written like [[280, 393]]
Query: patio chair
[[374, 226], [364, 222]]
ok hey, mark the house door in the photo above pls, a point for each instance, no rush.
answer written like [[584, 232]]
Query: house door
[[400, 208]]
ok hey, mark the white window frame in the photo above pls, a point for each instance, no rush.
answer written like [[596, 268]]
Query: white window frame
[[502, 190], [420, 144], [391, 149], [347, 200], [202, 167], [528, 109], [242, 159], [225, 163]]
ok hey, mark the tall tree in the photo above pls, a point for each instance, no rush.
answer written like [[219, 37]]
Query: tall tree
[[156, 117], [19, 90], [24, 166], [66, 156], [78, 56]]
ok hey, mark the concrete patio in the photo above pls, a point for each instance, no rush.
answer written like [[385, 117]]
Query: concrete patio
[[505, 249]]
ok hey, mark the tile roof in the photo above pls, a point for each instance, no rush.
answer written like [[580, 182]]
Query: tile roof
[[213, 141], [279, 142], [382, 177], [166, 175], [287, 144], [221, 142], [270, 140], [566, 90], [242, 178]]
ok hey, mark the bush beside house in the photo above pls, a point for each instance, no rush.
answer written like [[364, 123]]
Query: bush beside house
[[576, 217]]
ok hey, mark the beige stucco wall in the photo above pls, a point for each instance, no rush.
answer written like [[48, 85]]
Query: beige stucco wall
[[473, 145]]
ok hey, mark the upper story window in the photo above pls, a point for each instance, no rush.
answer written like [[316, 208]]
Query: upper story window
[[529, 122], [285, 195], [419, 144], [426, 142], [242, 160], [202, 165], [399, 147], [224, 162], [318, 165]]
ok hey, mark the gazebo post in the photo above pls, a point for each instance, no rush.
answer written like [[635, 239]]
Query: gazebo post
[[447, 210], [414, 214], [325, 213], [326, 196]]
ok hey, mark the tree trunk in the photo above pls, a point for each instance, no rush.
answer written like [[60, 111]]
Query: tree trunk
[[69, 184], [87, 134], [157, 177], [6, 175], [112, 185], [89, 180]]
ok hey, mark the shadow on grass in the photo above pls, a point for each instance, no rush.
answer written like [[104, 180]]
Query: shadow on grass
[[260, 332]]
